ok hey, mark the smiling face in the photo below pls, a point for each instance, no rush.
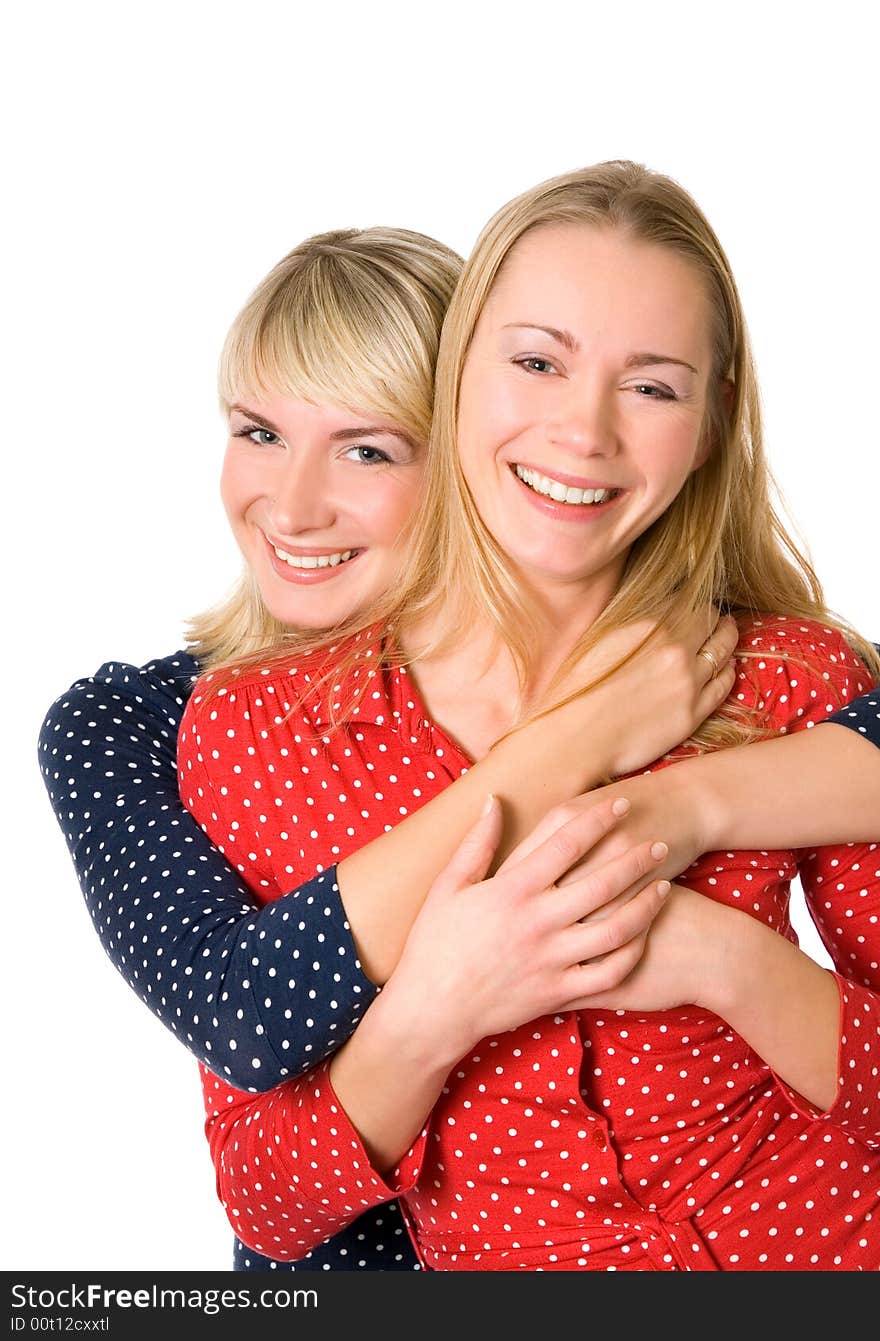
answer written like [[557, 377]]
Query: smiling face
[[582, 402], [317, 498]]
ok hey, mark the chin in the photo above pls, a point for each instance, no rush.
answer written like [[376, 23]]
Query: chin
[[308, 621]]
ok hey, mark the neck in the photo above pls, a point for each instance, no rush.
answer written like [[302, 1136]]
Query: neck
[[564, 612], [472, 656]]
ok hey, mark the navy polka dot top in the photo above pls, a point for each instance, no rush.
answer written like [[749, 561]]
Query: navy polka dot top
[[185, 932], [863, 715]]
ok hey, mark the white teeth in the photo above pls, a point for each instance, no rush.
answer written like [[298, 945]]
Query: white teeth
[[313, 560], [543, 484]]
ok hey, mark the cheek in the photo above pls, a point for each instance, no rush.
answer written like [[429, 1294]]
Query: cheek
[[676, 453], [490, 416], [385, 509], [243, 479]]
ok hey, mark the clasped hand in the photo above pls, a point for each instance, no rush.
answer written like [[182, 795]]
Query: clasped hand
[[489, 953]]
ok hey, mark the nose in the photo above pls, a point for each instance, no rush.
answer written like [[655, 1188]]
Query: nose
[[302, 497], [584, 421]]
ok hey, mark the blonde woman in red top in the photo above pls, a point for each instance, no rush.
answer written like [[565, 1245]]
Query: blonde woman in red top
[[596, 462]]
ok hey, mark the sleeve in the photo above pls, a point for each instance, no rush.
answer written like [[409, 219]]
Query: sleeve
[[238, 984], [842, 889], [841, 884], [862, 715], [291, 1169]]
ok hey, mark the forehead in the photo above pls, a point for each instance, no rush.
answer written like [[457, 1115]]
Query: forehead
[[595, 281]]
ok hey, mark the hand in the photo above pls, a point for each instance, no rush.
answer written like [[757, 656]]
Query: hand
[[487, 955], [668, 806], [662, 694], [683, 961]]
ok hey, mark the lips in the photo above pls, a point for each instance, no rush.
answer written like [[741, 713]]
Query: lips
[[330, 560], [564, 491], [565, 499], [309, 567]]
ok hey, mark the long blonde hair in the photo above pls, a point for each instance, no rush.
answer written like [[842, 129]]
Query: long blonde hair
[[721, 540], [349, 318]]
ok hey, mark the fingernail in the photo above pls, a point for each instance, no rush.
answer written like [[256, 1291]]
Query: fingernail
[[620, 806], [659, 851], [663, 888], [490, 801]]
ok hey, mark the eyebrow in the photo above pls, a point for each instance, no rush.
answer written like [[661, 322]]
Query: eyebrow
[[561, 337], [341, 434], [367, 431], [257, 418], [649, 360], [567, 340]]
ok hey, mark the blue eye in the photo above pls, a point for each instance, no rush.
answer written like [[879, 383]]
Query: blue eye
[[263, 437], [368, 456], [535, 364]]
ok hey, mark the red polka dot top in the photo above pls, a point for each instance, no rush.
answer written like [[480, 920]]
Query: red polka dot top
[[596, 1140]]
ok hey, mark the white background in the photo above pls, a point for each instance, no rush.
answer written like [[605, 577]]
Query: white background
[[158, 161]]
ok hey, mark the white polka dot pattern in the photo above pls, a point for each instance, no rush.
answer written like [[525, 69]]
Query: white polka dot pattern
[[594, 1141], [184, 930], [863, 715], [215, 957]]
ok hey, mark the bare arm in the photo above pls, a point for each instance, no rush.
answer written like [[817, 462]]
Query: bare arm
[[484, 956], [812, 788], [641, 711], [816, 787], [782, 1002]]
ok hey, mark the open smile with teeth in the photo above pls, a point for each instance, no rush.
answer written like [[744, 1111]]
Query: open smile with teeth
[[562, 493], [315, 560]]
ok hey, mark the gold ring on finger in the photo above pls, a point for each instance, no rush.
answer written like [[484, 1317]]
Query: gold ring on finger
[[704, 652]]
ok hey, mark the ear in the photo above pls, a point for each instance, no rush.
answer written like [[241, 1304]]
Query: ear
[[726, 393]]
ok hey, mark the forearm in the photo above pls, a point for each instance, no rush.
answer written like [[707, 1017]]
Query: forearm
[[484, 956], [384, 884], [785, 1005], [176, 920], [292, 1168], [814, 787], [290, 1171], [388, 1077], [235, 982]]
